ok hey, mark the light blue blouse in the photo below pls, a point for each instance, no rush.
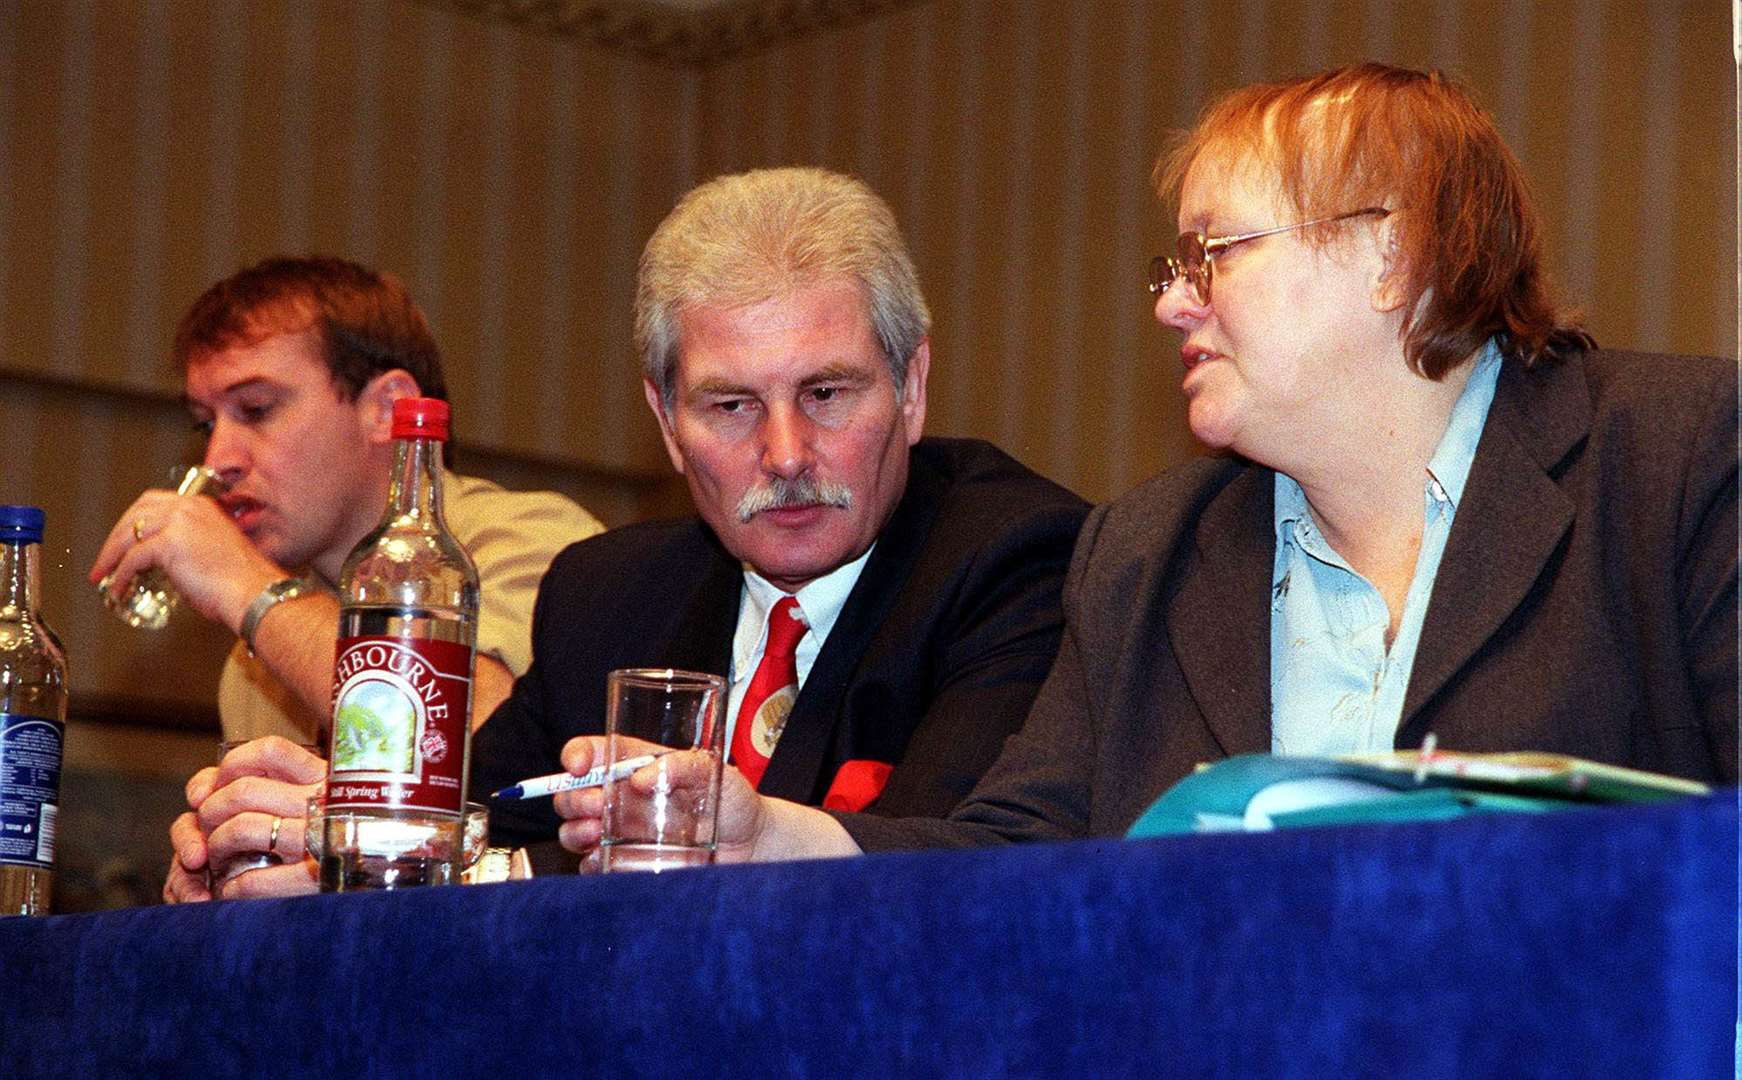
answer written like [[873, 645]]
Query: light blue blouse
[[1334, 689]]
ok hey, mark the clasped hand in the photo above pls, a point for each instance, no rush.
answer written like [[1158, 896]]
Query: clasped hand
[[231, 810]]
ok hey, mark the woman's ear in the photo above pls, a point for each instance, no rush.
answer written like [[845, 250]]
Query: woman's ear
[[1390, 285]]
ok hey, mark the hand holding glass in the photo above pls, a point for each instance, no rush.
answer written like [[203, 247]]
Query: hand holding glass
[[672, 826], [150, 599]]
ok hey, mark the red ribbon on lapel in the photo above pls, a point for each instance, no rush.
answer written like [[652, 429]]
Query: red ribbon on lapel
[[856, 784]]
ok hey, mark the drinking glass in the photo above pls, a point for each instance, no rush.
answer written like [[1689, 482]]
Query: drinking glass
[[428, 850], [151, 598], [674, 826]]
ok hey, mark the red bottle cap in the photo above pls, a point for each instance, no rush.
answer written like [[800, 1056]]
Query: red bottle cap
[[420, 418]]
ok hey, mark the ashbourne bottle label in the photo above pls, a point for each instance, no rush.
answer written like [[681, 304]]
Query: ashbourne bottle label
[[399, 723], [30, 756]]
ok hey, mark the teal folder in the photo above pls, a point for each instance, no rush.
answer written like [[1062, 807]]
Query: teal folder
[[1257, 792]]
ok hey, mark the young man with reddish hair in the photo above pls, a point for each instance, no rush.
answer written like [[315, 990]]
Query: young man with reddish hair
[[291, 368]]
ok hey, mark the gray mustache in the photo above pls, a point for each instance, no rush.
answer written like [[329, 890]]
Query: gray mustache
[[782, 494]]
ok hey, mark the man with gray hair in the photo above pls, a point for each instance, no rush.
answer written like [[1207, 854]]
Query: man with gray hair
[[884, 606]]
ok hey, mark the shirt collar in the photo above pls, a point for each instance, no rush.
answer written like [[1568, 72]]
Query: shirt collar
[[1450, 465], [1291, 507], [820, 600]]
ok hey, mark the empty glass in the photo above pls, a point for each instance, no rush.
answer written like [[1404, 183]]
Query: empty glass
[[673, 827], [430, 850]]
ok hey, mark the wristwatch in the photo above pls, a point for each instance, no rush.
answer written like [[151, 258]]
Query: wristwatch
[[276, 593]]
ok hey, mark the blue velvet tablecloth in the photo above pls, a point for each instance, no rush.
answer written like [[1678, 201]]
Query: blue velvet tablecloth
[[1595, 942]]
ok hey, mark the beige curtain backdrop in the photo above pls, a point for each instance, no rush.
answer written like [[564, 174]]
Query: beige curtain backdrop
[[148, 147]]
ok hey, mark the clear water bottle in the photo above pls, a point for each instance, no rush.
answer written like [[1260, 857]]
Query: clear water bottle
[[33, 717], [401, 737]]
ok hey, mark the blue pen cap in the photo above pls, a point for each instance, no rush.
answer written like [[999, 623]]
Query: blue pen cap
[[21, 524]]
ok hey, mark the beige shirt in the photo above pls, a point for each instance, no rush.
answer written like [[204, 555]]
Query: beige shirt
[[512, 536]]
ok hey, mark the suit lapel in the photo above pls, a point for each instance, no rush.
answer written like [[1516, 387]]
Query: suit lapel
[[1219, 619], [703, 638], [1513, 518], [803, 753]]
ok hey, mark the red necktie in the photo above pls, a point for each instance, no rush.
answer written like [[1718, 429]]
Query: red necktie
[[773, 689]]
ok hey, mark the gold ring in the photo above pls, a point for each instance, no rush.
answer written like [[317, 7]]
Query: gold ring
[[272, 842], [138, 529]]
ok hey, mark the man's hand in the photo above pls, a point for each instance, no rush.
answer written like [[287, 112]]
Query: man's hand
[[186, 883], [232, 808], [583, 809], [194, 543]]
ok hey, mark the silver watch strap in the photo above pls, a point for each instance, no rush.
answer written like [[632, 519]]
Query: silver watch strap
[[276, 593]]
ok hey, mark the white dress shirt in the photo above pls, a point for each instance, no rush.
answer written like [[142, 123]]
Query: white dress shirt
[[820, 601]]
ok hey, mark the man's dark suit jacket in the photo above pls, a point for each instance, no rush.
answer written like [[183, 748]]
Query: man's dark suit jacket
[[935, 659], [1585, 605]]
